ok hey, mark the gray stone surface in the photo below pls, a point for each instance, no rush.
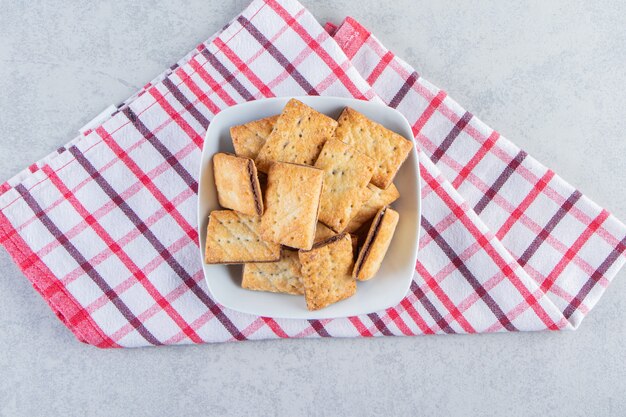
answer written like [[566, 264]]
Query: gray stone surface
[[548, 75]]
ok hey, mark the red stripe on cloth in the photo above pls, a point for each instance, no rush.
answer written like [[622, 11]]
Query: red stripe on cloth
[[272, 324], [244, 69], [267, 45], [214, 86], [434, 286], [203, 96], [149, 184], [115, 248], [176, 116], [427, 114], [89, 270], [187, 105], [359, 326], [176, 267], [478, 156], [397, 319], [571, 252], [321, 52], [228, 76], [524, 204], [351, 35], [461, 213], [60, 300], [415, 316], [619, 250], [431, 309], [378, 69]]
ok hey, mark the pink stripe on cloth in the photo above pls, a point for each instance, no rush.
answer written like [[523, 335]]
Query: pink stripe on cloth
[[104, 228]]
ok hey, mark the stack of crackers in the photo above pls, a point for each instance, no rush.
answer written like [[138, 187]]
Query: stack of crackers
[[306, 201]]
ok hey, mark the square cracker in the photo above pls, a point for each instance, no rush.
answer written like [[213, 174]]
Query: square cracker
[[326, 272], [298, 136], [249, 138], [347, 173], [234, 238], [323, 232], [292, 204], [378, 198], [281, 276], [387, 148], [237, 184], [376, 244]]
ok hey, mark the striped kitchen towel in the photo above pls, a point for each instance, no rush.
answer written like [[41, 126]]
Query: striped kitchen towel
[[105, 227]]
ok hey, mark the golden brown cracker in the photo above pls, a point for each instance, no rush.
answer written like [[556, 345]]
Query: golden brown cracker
[[237, 184], [292, 204], [234, 238], [298, 136], [249, 138], [347, 173], [387, 148], [376, 244], [282, 276], [327, 272], [322, 232], [378, 198]]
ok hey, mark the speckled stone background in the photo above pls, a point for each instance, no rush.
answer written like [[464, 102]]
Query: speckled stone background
[[548, 75]]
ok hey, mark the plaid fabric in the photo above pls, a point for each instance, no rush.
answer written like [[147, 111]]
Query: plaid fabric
[[105, 228]]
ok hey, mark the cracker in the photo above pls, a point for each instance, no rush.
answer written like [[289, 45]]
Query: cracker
[[281, 276], [234, 238], [249, 138], [378, 199], [326, 272], [347, 173], [376, 244], [237, 184], [298, 136], [292, 204], [387, 148], [322, 232]]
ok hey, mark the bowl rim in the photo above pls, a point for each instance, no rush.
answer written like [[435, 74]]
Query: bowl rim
[[310, 101]]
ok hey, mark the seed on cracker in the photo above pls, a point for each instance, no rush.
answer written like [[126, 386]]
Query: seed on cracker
[[376, 244], [292, 204], [298, 136], [282, 276], [327, 272], [347, 173], [237, 184], [378, 198], [249, 138], [234, 238], [387, 148]]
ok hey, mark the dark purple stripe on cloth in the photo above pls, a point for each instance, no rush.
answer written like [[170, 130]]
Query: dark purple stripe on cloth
[[499, 182], [545, 232], [380, 325], [432, 310], [319, 328], [228, 76], [594, 278], [86, 266], [402, 92], [278, 56], [178, 95], [160, 147], [156, 244], [447, 142], [468, 275]]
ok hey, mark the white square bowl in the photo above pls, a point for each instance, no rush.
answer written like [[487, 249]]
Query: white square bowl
[[391, 283]]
